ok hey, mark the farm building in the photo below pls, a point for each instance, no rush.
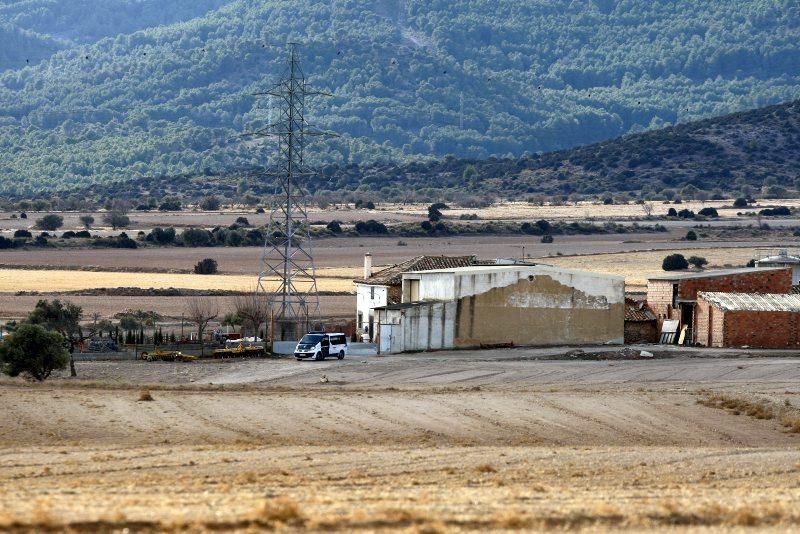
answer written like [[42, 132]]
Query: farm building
[[494, 305], [383, 287], [782, 258], [641, 324], [674, 296], [761, 320]]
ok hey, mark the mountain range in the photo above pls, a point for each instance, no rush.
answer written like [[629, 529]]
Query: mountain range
[[110, 91]]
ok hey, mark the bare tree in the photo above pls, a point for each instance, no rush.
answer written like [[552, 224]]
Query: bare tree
[[648, 209], [201, 311], [117, 216], [254, 309]]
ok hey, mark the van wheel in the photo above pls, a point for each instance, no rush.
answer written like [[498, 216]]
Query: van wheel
[[319, 357], [341, 355]]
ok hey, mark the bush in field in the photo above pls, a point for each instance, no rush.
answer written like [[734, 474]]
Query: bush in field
[[161, 236], [691, 235], [371, 227], [697, 261], [776, 212], [51, 221], [22, 234], [675, 262], [34, 351], [740, 203], [87, 221], [708, 212], [206, 266], [211, 203], [547, 238], [197, 237]]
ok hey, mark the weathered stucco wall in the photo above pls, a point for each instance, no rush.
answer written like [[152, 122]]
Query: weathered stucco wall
[[543, 309], [426, 326]]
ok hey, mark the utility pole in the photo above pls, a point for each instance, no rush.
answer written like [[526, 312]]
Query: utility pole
[[287, 263]]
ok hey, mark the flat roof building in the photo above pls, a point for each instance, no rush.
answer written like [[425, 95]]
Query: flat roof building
[[763, 320], [503, 305], [673, 296]]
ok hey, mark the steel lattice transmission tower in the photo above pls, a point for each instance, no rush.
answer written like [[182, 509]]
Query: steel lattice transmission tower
[[287, 264]]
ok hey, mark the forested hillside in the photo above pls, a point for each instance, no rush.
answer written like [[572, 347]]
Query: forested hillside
[[412, 79], [753, 153], [32, 30]]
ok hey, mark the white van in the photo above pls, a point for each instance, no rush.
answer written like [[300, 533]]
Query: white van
[[320, 345]]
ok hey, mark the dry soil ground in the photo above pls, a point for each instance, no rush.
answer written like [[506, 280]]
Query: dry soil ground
[[430, 442]]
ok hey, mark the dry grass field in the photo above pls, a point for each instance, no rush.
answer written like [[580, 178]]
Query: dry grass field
[[637, 267], [416, 443], [12, 280]]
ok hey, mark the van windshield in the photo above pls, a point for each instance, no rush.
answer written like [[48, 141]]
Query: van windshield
[[311, 339]]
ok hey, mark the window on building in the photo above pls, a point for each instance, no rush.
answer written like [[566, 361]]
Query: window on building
[[372, 293]]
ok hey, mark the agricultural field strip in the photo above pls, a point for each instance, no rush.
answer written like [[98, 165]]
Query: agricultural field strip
[[636, 267], [13, 280]]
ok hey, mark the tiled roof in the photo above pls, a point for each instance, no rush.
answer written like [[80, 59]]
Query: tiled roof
[[393, 276], [637, 311], [778, 302]]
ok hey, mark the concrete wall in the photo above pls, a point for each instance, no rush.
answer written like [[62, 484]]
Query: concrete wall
[[544, 309], [433, 286], [426, 326]]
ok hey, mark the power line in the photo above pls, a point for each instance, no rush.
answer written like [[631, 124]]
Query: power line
[[287, 262]]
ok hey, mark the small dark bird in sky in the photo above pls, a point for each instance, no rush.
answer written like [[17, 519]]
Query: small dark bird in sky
[[339, 53], [444, 72]]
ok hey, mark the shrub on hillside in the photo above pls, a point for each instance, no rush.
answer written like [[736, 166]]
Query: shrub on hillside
[[691, 236], [21, 234], [740, 203]]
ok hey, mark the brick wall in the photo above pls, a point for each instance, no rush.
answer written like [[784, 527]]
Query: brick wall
[[702, 322], [708, 324], [659, 299], [768, 281], [761, 329]]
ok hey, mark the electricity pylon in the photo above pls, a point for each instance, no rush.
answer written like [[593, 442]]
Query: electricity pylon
[[287, 275]]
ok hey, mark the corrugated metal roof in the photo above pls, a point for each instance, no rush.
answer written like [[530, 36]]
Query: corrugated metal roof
[[712, 274], [753, 301], [393, 276]]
